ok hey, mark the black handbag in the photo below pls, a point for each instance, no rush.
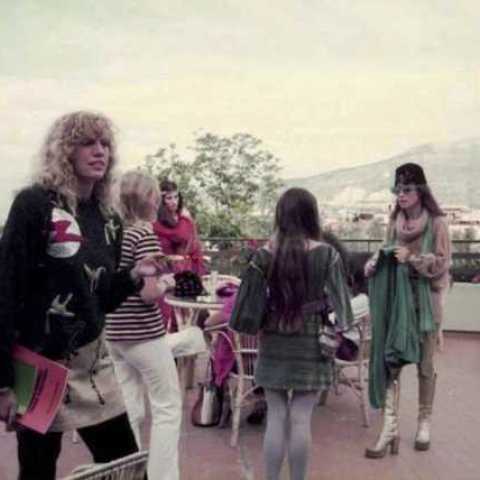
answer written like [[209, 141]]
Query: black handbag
[[188, 284], [252, 302]]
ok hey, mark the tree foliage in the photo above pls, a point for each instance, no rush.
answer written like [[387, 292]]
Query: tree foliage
[[230, 185]]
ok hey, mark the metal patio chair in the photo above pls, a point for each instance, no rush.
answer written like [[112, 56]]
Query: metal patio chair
[[131, 467], [353, 375]]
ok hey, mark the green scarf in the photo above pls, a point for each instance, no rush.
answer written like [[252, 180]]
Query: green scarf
[[396, 330], [425, 311]]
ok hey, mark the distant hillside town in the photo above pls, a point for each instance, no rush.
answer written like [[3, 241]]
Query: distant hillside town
[[355, 202], [360, 221]]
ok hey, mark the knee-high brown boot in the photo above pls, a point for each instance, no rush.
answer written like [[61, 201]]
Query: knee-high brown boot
[[426, 392], [389, 435]]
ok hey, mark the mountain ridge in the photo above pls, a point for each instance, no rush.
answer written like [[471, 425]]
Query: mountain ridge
[[452, 170]]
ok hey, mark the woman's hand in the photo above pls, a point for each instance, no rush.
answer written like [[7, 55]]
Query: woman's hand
[[371, 266], [8, 407], [148, 267], [402, 254], [154, 287], [166, 282], [369, 269]]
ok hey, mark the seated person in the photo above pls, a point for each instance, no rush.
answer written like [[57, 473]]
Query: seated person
[[223, 356]]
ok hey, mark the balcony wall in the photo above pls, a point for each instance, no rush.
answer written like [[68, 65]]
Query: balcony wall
[[462, 302], [462, 308]]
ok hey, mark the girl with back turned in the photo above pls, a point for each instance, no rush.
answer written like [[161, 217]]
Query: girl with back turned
[[295, 271]]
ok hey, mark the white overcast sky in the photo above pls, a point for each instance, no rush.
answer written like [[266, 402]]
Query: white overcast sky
[[325, 84]]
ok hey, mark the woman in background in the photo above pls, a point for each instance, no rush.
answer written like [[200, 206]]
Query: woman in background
[[178, 238], [176, 230], [418, 246]]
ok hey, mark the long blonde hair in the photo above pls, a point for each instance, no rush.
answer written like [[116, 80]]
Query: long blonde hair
[[56, 168], [135, 190]]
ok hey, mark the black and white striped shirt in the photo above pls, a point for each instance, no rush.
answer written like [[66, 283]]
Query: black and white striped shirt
[[134, 319]]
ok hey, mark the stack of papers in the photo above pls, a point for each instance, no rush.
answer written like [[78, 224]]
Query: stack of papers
[[40, 385]]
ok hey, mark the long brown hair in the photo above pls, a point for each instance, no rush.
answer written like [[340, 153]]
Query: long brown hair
[[165, 217], [296, 222]]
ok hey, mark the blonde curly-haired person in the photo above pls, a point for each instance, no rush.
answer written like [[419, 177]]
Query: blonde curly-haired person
[[58, 278]]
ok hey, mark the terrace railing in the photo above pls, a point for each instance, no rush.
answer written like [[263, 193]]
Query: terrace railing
[[230, 254]]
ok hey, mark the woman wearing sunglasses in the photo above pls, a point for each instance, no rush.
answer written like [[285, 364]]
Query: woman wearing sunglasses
[[408, 278]]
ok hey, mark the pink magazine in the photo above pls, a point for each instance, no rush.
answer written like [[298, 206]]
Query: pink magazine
[[48, 390]]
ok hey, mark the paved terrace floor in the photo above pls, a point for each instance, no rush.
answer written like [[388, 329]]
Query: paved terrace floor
[[338, 437]]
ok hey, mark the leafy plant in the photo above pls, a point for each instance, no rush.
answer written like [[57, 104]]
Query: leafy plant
[[230, 185]]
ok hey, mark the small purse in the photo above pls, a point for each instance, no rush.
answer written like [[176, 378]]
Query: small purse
[[188, 284], [347, 350], [207, 410], [328, 340]]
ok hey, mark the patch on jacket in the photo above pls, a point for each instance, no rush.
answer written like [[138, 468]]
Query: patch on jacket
[[64, 236]]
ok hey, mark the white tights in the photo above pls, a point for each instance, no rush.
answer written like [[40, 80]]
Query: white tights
[[288, 430]]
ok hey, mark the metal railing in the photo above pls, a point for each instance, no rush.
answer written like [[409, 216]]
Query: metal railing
[[368, 245], [230, 254]]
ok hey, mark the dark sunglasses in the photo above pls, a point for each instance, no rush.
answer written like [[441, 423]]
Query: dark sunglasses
[[405, 189]]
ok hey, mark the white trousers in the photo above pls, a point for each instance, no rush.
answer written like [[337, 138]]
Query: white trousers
[[150, 364]]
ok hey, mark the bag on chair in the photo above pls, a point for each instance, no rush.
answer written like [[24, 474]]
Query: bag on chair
[[347, 350], [207, 410], [328, 340]]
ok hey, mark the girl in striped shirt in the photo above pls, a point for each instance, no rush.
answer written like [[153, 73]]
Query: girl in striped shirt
[[136, 333]]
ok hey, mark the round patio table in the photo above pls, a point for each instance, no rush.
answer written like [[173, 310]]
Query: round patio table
[[187, 309], [186, 312]]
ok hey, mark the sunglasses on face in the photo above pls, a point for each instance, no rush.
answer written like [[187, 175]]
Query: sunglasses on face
[[405, 189]]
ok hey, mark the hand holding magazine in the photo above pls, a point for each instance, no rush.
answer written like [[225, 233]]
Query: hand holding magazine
[[40, 385]]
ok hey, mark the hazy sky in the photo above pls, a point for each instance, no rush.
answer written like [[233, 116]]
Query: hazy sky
[[325, 84]]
